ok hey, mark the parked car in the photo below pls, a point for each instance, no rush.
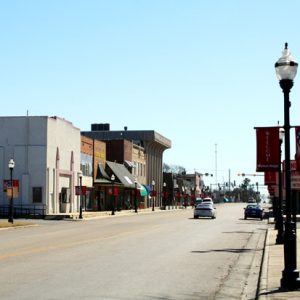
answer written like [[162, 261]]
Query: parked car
[[205, 210], [253, 210], [251, 200]]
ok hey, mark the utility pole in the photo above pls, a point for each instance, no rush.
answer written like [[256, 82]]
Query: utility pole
[[229, 183], [216, 164]]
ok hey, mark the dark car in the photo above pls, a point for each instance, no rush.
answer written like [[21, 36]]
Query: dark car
[[253, 211]]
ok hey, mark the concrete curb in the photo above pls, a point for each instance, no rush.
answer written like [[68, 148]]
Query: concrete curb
[[263, 277]]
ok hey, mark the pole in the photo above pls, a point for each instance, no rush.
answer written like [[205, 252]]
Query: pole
[[152, 197], [11, 204], [216, 161], [290, 274], [80, 207], [279, 218], [113, 199], [135, 196]]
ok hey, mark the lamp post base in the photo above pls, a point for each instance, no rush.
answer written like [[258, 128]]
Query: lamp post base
[[290, 275], [290, 280], [279, 239], [11, 215], [280, 232]]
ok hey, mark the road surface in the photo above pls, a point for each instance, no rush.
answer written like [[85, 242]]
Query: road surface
[[160, 255]]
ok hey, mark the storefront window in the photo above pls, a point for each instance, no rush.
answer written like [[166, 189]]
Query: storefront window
[[86, 163]]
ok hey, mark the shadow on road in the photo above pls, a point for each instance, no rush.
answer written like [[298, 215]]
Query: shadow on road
[[231, 250]]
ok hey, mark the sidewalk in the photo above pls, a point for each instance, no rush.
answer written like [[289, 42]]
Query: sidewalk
[[273, 264], [88, 215]]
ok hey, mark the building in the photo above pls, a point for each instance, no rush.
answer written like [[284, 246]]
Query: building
[[46, 152], [151, 143]]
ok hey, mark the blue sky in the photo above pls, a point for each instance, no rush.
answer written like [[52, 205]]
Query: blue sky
[[201, 73]]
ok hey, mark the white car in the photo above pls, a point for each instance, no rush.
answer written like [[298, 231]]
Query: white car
[[205, 210], [208, 200]]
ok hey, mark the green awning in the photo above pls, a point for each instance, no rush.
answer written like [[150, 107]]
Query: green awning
[[143, 191]]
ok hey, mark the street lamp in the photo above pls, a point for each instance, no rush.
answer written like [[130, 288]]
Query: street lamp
[[80, 199], [135, 195], [112, 178], [164, 195], [176, 194], [153, 184], [286, 70], [279, 218], [11, 165]]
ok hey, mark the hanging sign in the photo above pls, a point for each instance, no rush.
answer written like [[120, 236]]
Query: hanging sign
[[270, 178], [80, 190], [267, 146]]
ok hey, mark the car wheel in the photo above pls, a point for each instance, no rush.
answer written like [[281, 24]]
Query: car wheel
[[245, 218]]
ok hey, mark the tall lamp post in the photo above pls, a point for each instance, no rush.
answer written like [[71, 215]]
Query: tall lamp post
[[135, 196], [286, 70], [279, 218], [112, 178], [164, 195], [153, 204], [80, 199], [11, 165]]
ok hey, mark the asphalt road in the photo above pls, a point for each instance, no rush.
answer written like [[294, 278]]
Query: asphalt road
[[166, 255]]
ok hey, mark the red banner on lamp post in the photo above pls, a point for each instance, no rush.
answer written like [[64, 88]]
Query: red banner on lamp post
[[113, 191], [177, 195], [268, 147], [153, 193], [270, 178], [7, 184], [80, 190]]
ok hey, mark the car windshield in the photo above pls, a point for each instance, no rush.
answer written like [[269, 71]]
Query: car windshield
[[253, 205], [204, 205], [207, 200]]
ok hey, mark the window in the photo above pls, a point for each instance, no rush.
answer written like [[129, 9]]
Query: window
[[37, 195], [86, 165], [141, 169]]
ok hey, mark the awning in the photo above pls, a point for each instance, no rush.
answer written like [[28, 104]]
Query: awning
[[101, 174], [148, 188], [129, 164], [143, 191], [122, 174]]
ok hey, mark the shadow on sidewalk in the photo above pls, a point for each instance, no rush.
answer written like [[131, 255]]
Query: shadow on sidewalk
[[275, 291]]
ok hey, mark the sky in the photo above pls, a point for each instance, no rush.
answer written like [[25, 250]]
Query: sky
[[200, 73]]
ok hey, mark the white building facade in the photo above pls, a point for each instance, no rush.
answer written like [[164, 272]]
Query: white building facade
[[46, 152]]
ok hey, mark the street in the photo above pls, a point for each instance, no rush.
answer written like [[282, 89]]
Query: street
[[160, 255]]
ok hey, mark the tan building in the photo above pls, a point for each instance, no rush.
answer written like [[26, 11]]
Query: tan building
[[151, 146]]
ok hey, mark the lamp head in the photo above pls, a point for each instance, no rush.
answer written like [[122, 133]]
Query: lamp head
[[281, 133], [11, 164], [112, 177], [286, 66]]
